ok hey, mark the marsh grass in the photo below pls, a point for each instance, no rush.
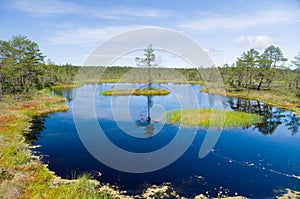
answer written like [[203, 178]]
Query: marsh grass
[[275, 97], [22, 175], [65, 86], [136, 92], [211, 118]]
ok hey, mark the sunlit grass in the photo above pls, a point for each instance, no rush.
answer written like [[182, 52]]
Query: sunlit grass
[[275, 97], [136, 92], [211, 118], [65, 86], [21, 174]]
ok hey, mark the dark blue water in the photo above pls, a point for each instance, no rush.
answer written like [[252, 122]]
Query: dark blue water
[[255, 162]]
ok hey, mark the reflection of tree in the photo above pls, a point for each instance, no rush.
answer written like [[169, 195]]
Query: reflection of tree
[[149, 130], [66, 93], [37, 126], [293, 123], [145, 120], [272, 117]]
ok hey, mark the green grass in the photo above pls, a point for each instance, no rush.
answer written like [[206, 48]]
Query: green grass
[[209, 117], [136, 92], [65, 86], [22, 175]]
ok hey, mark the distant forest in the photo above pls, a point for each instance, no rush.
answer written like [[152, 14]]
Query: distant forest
[[23, 69]]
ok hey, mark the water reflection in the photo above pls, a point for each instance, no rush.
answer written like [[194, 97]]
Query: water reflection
[[252, 161], [293, 123], [68, 94], [37, 126], [145, 119], [272, 116]]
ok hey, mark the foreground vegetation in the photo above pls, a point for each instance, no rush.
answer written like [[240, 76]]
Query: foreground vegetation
[[136, 92], [25, 77], [211, 118], [22, 175]]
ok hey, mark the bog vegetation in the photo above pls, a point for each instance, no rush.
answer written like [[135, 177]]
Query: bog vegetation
[[23, 69], [26, 75], [136, 92], [203, 117]]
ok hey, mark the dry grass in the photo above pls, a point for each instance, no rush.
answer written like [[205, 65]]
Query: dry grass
[[21, 173], [273, 97]]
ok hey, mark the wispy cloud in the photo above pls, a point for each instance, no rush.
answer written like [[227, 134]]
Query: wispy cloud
[[87, 36], [214, 22], [260, 42], [44, 8], [137, 12]]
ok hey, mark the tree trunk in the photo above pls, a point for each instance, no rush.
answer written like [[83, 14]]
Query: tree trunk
[[250, 81], [149, 77], [260, 83]]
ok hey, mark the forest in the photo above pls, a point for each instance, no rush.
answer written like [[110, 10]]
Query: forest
[[23, 69]]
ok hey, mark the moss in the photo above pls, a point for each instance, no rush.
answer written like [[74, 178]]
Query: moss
[[136, 92], [210, 117]]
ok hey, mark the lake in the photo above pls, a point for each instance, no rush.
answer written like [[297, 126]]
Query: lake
[[256, 162]]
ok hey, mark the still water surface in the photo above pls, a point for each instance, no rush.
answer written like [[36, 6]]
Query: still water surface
[[255, 162]]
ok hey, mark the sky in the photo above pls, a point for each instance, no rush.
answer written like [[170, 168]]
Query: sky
[[68, 31]]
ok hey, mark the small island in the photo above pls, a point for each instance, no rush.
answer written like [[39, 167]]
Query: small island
[[203, 117], [136, 92]]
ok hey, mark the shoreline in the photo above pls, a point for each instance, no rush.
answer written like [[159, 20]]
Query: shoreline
[[267, 98], [23, 175]]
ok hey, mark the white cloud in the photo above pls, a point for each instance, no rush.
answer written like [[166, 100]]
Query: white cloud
[[215, 22], [87, 36], [54, 7], [212, 51], [259, 42], [44, 8], [137, 12]]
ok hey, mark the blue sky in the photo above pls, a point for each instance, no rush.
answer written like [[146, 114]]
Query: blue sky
[[67, 31]]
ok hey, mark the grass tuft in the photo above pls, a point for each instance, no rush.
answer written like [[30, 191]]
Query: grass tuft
[[136, 92], [211, 118]]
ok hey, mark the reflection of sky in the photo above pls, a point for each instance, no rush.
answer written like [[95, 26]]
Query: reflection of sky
[[128, 108], [242, 161], [132, 108]]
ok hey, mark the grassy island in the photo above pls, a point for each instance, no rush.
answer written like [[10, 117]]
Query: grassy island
[[203, 117], [136, 92]]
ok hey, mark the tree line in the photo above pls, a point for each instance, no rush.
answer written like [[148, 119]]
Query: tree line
[[23, 69], [253, 70]]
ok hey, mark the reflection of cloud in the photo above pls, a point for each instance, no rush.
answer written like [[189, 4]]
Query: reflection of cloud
[[212, 22], [260, 42]]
